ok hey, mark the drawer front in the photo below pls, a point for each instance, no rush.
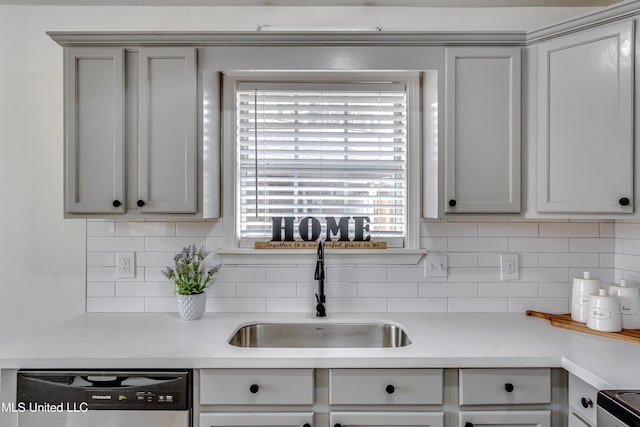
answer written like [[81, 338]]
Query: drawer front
[[505, 386], [256, 386], [582, 399], [538, 418], [385, 386], [275, 419], [387, 419], [576, 421]]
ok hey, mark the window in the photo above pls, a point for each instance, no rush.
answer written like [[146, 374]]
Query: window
[[321, 147]]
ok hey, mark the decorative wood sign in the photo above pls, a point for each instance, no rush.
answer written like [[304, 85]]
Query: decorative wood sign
[[309, 230]]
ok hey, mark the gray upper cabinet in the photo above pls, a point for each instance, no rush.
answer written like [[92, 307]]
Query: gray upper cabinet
[[482, 146], [131, 123], [94, 131], [585, 119], [167, 167]]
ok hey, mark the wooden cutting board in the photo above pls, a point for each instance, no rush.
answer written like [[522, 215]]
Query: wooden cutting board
[[564, 321]]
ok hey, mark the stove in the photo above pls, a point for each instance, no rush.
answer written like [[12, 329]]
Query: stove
[[619, 408]]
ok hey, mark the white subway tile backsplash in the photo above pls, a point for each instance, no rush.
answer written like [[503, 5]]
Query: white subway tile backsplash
[[586, 260], [555, 290], [507, 289], [441, 290], [582, 244], [145, 229], [199, 229], [449, 229], [115, 244], [550, 253], [532, 244], [398, 290], [171, 244], [101, 228], [478, 244], [570, 229], [145, 289], [508, 229], [262, 289]]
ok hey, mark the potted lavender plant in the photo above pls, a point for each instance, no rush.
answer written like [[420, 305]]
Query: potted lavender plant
[[192, 278]]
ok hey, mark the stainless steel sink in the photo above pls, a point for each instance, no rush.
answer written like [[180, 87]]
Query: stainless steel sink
[[320, 334]]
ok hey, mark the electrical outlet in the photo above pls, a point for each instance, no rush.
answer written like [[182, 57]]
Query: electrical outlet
[[435, 265], [126, 265], [509, 267]]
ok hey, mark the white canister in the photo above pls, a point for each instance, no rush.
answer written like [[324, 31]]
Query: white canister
[[604, 312], [582, 288], [629, 298]]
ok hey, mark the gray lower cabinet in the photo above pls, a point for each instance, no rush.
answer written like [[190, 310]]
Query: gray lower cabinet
[[257, 419], [507, 418], [116, 135], [386, 419], [505, 397]]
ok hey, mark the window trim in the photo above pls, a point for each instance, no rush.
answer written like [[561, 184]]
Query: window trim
[[231, 245]]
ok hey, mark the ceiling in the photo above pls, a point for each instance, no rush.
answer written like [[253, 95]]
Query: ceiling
[[401, 3]]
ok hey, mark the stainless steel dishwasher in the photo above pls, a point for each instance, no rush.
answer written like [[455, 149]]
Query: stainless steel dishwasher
[[158, 398]]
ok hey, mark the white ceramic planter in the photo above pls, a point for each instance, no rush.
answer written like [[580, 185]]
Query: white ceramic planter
[[191, 307]]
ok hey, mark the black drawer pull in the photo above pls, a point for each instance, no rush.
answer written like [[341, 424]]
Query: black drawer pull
[[116, 203], [306, 425], [508, 387], [468, 424], [337, 425], [453, 203], [254, 388], [140, 203], [390, 389], [624, 201], [586, 403]]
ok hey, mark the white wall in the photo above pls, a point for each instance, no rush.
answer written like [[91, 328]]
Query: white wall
[[42, 256]]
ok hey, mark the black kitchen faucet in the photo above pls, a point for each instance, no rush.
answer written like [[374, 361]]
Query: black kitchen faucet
[[320, 277]]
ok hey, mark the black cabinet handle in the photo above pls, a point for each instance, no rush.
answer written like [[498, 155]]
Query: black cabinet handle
[[586, 403], [468, 424], [508, 387], [453, 203], [390, 389], [624, 201], [306, 425], [337, 425], [254, 388], [140, 203], [116, 203]]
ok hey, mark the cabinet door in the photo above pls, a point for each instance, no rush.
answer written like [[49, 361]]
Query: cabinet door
[[386, 419], [585, 121], [482, 162], [256, 419], [505, 418], [167, 168], [94, 130]]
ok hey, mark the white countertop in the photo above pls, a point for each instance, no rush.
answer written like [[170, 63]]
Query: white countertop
[[444, 340]]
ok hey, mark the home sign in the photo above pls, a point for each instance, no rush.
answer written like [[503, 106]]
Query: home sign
[[309, 230]]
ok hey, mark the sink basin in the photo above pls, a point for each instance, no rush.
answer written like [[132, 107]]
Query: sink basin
[[323, 335]]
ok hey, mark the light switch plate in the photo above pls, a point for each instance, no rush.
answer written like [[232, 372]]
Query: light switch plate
[[435, 265], [509, 267], [126, 265]]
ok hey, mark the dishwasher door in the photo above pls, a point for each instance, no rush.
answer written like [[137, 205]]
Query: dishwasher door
[[104, 398]]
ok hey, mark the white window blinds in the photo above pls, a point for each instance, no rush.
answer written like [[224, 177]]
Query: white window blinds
[[323, 150]]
